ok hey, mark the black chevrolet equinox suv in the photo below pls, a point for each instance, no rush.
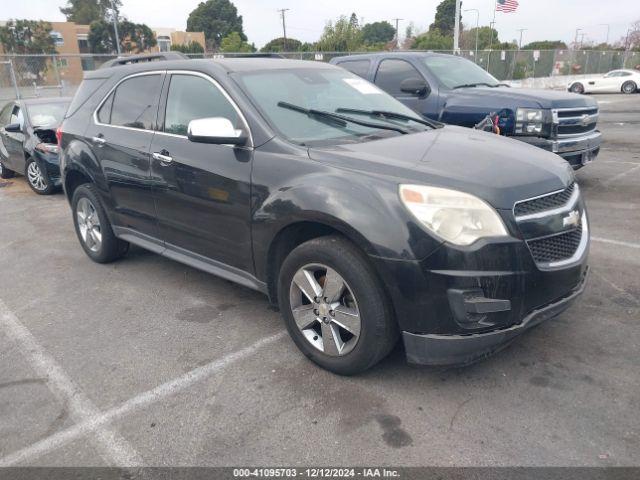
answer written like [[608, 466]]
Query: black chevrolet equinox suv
[[362, 220]]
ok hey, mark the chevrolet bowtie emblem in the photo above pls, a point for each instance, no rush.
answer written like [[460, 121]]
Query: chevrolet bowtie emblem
[[571, 220]]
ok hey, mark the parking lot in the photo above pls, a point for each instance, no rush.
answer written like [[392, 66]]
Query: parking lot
[[149, 362]]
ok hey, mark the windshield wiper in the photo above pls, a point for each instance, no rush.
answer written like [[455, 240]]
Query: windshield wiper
[[336, 119], [471, 85], [391, 115]]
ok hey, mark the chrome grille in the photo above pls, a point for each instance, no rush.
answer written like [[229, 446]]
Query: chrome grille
[[554, 227], [546, 202], [574, 121], [557, 247]]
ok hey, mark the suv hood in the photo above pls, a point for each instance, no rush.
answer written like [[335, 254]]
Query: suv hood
[[499, 170], [503, 97]]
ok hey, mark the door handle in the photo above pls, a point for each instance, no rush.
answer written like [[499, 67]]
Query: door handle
[[162, 158], [98, 140]]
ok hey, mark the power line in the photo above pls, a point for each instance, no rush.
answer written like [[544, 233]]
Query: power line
[[284, 26]]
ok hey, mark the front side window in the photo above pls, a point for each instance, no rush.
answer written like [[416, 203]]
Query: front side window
[[134, 103], [191, 97], [454, 72], [391, 73], [278, 93]]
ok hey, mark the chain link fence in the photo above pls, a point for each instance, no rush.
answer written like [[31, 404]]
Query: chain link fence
[[27, 76]]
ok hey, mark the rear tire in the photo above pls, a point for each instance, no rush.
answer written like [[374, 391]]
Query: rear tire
[[629, 87], [577, 87], [93, 227], [353, 329], [5, 172], [37, 178]]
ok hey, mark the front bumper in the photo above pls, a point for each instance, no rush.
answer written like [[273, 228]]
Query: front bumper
[[577, 150], [465, 349]]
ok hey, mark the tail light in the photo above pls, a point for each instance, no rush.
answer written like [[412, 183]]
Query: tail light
[[59, 135]]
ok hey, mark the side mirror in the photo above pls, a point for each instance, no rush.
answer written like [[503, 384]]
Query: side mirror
[[13, 127], [415, 86], [215, 130]]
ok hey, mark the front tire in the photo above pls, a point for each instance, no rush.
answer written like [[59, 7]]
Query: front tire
[[37, 178], [629, 87], [93, 227], [577, 88], [334, 306], [5, 172]]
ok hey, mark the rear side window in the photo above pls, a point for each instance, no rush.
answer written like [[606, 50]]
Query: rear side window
[[87, 88], [359, 67], [191, 97], [135, 102], [391, 73]]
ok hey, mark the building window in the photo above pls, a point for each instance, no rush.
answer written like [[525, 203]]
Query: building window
[[57, 38]]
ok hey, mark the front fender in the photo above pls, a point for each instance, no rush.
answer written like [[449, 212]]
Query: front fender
[[364, 208]]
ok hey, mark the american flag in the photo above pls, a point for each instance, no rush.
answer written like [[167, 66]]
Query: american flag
[[507, 6]]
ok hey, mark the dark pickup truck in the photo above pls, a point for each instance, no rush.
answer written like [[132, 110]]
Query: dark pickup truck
[[456, 91]]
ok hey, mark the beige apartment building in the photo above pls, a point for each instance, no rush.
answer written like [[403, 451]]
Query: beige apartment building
[[72, 39]]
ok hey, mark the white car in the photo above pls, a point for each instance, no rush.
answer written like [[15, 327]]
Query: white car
[[625, 81]]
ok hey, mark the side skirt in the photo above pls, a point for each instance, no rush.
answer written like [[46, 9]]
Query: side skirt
[[192, 259]]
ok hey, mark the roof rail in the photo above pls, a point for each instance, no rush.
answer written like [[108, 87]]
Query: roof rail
[[253, 55], [145, 57]]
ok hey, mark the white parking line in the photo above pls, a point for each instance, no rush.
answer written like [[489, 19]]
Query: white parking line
[[97, 422], [615, 242], [113, 448]]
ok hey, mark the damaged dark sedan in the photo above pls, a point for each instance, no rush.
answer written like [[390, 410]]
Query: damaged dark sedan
[[28, 144]]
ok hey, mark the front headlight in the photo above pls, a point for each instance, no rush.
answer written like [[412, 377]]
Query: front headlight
[[454, 216], [529, 121]]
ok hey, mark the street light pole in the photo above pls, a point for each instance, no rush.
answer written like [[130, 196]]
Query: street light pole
[[521, 30], [115, 26], [397, 20], [608, 29], [477, 27]]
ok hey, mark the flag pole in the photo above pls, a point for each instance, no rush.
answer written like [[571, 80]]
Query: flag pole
[[495, 7]]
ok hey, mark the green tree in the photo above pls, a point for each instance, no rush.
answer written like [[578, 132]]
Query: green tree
[[378, 32], [341, 36], [191, 47], [87, 11], [546, 45], [133, 37], [433, 40], [234, 43], [445, 18], [277, 45], [486, 36], [217, 19], [25, 37]]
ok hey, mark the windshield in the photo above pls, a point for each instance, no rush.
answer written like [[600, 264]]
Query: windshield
[[315, 92], [455, 72], [47, 114]]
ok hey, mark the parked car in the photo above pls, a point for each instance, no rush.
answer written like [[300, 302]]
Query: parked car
[[28, 144], [616, 81], [456, 91], [360, 219]]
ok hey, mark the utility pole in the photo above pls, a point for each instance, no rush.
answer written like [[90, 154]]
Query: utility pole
[[397, 20], [521, 30], [477, 27], [284, 26], [115, 26], [456, 30]]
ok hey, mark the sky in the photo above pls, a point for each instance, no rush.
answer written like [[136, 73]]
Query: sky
[[543, 19]]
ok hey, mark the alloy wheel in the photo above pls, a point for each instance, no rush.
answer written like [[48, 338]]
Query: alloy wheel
[[89, 224], [35, 177], [325, 309]]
